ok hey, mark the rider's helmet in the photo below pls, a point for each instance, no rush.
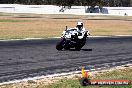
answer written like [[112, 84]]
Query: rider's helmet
[[79, 25]]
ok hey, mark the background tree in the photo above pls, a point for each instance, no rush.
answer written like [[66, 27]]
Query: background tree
[[91, 3]]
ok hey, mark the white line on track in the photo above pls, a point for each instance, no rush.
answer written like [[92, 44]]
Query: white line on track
[[60, 37]]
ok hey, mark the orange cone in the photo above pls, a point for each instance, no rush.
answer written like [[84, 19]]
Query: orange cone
[[86, 74]]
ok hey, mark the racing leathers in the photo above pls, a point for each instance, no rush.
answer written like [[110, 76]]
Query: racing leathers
[[81, 32]]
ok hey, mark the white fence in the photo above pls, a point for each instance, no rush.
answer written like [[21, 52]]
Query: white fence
[[38, 9], [52, 9], [120, 10]]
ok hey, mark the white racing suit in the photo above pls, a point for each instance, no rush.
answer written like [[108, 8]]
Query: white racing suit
[[81, 32], [82, 36]]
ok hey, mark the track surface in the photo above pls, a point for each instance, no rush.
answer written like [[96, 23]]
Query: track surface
[[21, 59]]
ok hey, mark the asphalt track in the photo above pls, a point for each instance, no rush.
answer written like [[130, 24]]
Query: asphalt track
[[30, 58]]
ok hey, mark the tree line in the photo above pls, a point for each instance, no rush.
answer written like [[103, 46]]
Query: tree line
[[116, 3]]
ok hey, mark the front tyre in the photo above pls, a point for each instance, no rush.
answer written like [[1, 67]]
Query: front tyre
[[59, 45], [67, 45]]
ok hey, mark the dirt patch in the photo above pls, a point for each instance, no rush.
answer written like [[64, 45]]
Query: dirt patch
[[42, 26]]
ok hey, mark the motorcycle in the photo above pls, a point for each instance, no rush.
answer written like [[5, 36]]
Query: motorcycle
[[72, 39]]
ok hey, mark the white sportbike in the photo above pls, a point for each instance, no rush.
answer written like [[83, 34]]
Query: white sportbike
[[71, 38]]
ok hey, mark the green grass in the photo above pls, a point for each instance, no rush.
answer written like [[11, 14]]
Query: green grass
[[13, 20], [5, 14], [74, 83]]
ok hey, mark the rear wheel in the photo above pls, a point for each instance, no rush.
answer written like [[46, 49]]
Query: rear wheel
[[78, 48], [78, 45]]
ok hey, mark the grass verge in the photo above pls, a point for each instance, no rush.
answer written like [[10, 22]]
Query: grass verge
[[19, 26], [116, 74], [9, 20], [73, 82]]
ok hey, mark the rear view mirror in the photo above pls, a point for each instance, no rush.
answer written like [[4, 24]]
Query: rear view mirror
[[66, 28]]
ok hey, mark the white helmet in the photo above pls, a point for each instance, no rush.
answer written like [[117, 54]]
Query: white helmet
[[79, 24]]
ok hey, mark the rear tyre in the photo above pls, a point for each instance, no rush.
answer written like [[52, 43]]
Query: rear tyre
[[80, 44], [78, 48]]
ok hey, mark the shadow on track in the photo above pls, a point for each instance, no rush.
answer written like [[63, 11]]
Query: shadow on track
[[79, 50], [87, 49]]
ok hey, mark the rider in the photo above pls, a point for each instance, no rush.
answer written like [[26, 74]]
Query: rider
[[81, 30]]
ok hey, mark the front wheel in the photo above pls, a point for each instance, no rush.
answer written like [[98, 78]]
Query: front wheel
[[59, 45], [67, 45]]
